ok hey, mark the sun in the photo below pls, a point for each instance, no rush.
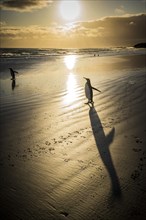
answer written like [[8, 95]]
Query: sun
[[69, 9]]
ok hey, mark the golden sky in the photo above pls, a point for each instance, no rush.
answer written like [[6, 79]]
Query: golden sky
[[72, 23]]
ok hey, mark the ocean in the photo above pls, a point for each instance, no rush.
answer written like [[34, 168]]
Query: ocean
[[24, 58], [29, 53]]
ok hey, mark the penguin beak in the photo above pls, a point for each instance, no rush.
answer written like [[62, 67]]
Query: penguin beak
[[85, 78]]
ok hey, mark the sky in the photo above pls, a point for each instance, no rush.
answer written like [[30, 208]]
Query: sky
[[72, 23]]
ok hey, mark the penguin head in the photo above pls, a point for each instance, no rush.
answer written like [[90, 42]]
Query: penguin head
[[88, 80]]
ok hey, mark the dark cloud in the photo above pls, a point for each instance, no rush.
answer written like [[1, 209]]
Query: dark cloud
[[130, 28], [24, 5]]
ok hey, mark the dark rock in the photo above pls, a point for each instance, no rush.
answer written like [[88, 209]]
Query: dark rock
[[140, 45]]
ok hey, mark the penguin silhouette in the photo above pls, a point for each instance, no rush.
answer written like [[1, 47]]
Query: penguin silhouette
[[89, 91], [12, 72]]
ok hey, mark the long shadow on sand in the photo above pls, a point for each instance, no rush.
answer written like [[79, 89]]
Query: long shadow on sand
[[103, 142]]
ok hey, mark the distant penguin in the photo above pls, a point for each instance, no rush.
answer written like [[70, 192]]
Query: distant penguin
[[89, 91], [12, 72]]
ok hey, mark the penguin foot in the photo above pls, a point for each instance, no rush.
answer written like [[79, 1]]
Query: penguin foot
[[91, 104]]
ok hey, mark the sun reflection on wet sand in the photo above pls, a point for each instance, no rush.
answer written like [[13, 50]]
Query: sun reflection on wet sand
[[70, 61], [71, 83], [71, 95]]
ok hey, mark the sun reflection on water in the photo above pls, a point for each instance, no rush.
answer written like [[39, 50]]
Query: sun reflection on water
[[70, 61], [71, 83]]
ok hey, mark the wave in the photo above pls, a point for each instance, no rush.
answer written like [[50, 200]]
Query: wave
[[41, 53]]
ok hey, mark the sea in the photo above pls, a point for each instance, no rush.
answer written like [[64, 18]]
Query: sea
[[28, 53], [17, 58]]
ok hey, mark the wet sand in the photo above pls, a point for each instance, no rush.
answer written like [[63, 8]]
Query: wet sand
[[60, 158]]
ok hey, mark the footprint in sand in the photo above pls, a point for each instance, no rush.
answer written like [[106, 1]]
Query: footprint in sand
[[136, 150], [135, 174], [138, 140]]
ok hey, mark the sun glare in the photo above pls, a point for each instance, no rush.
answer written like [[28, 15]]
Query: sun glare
[[70, 10], [70, 61]]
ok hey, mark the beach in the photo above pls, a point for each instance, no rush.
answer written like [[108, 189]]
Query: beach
[[63, 159]]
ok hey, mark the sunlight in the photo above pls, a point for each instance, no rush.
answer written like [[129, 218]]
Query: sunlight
[[71, 89], [70, 61], [69, 10]]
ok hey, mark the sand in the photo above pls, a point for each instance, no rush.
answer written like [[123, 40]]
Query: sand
[[60, 158]]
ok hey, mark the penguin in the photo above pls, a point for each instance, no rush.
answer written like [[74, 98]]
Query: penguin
[[89, 91], [12, 72]]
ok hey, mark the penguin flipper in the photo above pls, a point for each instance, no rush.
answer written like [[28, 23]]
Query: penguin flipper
[[96, 89]]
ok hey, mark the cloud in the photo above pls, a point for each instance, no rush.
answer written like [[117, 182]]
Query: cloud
[[30, 36], [24, 5], [2, 23], [32, 31], [114, 30], [120, 10], [124, 30]]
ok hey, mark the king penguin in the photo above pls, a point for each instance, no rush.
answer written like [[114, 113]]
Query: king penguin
[[89, 91], [12, 72]]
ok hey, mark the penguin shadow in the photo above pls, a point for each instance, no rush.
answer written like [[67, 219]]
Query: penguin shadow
[[13, 84], [103, 142]]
